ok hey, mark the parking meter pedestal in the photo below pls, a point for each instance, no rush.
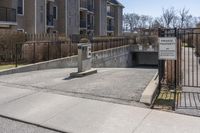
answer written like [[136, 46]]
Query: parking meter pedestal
[[84, 61], [84, 57]]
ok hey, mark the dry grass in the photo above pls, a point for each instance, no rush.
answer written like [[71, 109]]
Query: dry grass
[[165, 100], [4, 67]]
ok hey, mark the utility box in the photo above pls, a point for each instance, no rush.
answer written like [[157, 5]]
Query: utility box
[[84, 57], [84, 61]]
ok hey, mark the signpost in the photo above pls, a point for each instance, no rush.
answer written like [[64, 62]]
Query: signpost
[[168, 51], [167, 48]]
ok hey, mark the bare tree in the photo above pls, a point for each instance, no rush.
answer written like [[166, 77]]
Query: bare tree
[[183, 16], [150, 21], [176, 22], [158, 22], [188, 22], [169, 19], [143, 21], [168, 16], [128, 22], [131, 21], [196, 21]]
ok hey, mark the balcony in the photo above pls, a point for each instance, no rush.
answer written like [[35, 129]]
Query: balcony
[[83, 24], [90, 8], [50, 20], [7, 15], [90, 26], [110, 28], [110, 14]]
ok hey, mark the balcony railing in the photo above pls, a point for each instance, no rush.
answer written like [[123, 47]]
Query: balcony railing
[[90, 26], [110, 28], [90, 7], [83, 24], [7, 14], [111, 14], [50, 21]]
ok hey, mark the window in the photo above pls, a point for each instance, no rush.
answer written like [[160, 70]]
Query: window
[[55, 12], [20, 7]]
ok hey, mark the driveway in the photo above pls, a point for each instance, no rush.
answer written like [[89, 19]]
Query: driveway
[[120, 85]]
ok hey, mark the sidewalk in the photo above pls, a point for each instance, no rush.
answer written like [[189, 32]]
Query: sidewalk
[[78, 115]]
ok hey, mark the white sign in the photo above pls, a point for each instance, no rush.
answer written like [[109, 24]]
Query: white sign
[[167, 48]]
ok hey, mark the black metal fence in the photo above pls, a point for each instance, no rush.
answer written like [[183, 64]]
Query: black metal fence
[[189, 57], [185, 71], [20, 48]]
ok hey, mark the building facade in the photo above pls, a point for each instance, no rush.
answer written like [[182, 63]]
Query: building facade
[[70, 17]]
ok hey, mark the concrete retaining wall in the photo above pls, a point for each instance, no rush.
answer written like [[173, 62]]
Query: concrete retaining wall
[[116, 57]]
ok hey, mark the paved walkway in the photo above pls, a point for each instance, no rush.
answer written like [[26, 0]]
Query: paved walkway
[[78, 115], [13, 126]]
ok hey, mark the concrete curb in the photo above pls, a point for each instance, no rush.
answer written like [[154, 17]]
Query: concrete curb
[[82, 74], [150, 91]]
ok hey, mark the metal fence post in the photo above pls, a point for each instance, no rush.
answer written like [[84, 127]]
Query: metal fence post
[[60, 48], [175, 87], [16, 56], [159, 65], [48, 49], [34, 41]]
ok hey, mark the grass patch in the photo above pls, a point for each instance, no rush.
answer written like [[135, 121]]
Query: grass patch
[[165, 100], [4, 67]]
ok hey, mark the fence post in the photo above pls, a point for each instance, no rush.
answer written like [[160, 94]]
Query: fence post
[[34, 41], [161, 64], [102, 45], [16, 56], [60, 48], [175, 85], [48, 51]]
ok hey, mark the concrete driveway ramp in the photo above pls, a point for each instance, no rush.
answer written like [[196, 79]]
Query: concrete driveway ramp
[[120, 85]]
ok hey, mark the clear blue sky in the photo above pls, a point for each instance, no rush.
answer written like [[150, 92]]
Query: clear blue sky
[[154, 7]]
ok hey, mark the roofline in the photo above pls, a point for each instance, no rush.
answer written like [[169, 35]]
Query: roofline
[[120, 4]]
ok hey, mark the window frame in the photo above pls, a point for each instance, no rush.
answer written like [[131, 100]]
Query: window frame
[[56, 14], [21, 14]]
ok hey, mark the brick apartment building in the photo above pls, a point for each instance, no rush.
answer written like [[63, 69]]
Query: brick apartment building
[[70, 17]]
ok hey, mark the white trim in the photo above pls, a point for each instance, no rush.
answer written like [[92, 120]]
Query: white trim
[[22, 7], [49, 26], [35, 16], [7, 23], [22, 30]]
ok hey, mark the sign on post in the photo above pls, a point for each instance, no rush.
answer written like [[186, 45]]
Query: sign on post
[[167, 48]]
